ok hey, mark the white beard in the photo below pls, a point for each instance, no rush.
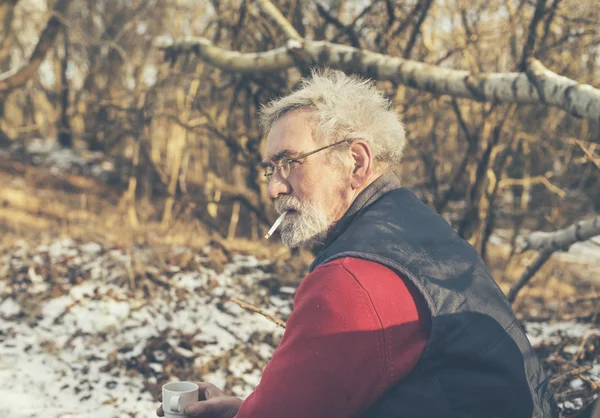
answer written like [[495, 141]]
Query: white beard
[[308, 225]]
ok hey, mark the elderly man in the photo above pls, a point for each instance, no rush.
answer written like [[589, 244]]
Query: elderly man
[[399, 316]]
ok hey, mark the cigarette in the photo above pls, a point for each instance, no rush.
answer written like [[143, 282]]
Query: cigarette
[[275, 225]]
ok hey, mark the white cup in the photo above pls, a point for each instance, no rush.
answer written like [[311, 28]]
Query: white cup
[[177, 396]]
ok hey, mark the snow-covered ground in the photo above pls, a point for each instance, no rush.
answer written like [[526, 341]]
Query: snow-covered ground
[[91, 348], [76, 341], [50, 154], [84, 334]]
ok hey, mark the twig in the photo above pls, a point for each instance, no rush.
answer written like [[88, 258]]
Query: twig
[[130, 273], [528, 274], [540, 5], [416, 29], [12, 80], [258, 310], [287, 28], [532, 180], [349, 30], [593, 158], [562, 377], [157, 280], [581, 350], [570, 393]]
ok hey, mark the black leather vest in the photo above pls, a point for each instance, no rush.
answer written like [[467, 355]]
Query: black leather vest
[[478, 361]]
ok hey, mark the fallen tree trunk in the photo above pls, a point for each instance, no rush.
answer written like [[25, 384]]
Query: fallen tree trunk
[[537, 85]]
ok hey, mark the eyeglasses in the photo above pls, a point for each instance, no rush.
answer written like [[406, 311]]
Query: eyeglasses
[[284, 166]]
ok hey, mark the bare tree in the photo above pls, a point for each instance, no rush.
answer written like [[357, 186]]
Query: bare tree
[[44, 44]]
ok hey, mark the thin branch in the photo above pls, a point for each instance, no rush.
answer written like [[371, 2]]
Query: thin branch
[[591, 156], [7, 12], [286, 27], [540, 6], [532, 180], [417, 29], [329, 18], [528, 274], [389, 7], [462, 167], [406, 22], [537, 86], [44, 44], [562, 377], [548, 23], [258, 310], [570, 36], [363, 13]]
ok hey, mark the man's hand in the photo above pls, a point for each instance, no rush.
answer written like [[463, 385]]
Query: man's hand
[[213, 403]]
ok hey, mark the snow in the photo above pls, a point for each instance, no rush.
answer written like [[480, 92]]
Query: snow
[[47, 152], [575, 404], [9, 308], [92, 347], [584, 253], [70, 358], [539, 332]]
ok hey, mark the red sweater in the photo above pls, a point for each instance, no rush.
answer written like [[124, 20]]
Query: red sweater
[[356, 329]]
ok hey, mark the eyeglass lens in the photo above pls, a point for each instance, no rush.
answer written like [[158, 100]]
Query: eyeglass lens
[[283, 167]]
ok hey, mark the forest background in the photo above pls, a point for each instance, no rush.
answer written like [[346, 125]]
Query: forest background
[[133, 124]]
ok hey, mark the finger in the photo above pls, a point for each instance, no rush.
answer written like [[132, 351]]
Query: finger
[[219, 407], [201, 409], [160, 412], [159, 399], [208, 391]]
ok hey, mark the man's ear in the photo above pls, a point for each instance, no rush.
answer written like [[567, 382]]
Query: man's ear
[[362, 159]]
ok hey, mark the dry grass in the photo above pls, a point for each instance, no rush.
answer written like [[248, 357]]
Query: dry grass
[[37, 206]]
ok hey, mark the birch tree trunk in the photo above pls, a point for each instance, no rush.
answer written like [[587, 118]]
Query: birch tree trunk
[[537, 85]]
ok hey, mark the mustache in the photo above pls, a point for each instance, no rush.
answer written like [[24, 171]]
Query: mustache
[[286, 203]]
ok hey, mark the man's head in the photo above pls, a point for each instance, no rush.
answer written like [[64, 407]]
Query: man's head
[[361, 139]]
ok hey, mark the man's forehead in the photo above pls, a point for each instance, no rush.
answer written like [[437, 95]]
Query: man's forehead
[[281, 154], [288, 137]]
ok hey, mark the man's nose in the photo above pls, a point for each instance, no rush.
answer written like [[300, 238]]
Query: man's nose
[[278, 186]]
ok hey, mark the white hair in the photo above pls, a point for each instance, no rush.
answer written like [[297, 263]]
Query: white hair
[[344, 107]]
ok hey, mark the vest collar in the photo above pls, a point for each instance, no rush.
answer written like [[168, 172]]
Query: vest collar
[[382, 185]]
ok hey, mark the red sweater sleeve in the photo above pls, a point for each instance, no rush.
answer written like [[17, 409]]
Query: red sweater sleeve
[[357, 328]]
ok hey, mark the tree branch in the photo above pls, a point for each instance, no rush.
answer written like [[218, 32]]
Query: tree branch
[[462, 167], [537, 85], [44, 44], [562, 239], [407, 21], [349, 30], [549, 242], [540, 6], [287, 28], [7, 11], [417, 29], [528, 274], [256, 309], [551, 13]]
